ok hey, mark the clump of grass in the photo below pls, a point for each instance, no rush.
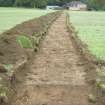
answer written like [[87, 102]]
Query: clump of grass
[[3, 90], [3, 97], [36, 36], [100, 84], [101, 72], [8, 67], [24, 41], [92, 98], [100, 81], [10, 72]]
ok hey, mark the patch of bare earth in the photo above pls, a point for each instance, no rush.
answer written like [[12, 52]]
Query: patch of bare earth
[[56, 76]]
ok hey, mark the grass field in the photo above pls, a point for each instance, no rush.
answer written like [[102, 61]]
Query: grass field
[[91, 30], [9, 17]]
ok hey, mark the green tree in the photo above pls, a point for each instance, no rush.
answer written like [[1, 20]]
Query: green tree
[[25, 3], [7, 2], [58, 2], [96, 4], [38, 3], [31, 3]]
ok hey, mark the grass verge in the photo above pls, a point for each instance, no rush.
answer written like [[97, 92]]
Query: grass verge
[[90, 27], [9, 17]]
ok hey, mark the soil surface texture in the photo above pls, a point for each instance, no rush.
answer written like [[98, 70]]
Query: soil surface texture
[[57, 74]]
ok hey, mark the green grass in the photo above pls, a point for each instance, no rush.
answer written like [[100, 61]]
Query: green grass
[[91, 30], [24, 41], [9, 17]]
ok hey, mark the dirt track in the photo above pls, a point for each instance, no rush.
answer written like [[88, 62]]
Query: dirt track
[[57, 75]]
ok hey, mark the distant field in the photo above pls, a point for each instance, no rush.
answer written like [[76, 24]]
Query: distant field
[[91, 29], [9, 17]]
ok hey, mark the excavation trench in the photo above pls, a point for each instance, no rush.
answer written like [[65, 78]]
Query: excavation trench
[[57, 75]]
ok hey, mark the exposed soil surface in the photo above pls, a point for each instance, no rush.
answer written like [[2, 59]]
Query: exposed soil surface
[[57, 75]]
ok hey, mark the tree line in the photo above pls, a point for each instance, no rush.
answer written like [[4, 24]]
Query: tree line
[[32, 3], [92, 4]]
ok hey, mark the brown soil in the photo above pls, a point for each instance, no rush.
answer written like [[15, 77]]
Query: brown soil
[[57, 75]]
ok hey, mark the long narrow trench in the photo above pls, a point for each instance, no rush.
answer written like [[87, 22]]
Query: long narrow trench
[[55, 77]]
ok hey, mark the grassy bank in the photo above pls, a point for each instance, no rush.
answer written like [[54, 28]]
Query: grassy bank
[[91, 30]]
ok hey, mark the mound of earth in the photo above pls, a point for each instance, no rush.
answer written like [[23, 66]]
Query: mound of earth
[[12, 53]]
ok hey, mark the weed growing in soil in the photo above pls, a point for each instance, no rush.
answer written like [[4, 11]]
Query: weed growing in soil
[[92, 98], [24, 41], [3, 95], [101, 75], [10, 70], [8, 67], [36, 36]]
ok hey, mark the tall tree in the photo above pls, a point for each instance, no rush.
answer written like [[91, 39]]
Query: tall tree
[[58, 2], [96, 4], [7, 2], [24, 3], [31, 3], [38, 3]]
